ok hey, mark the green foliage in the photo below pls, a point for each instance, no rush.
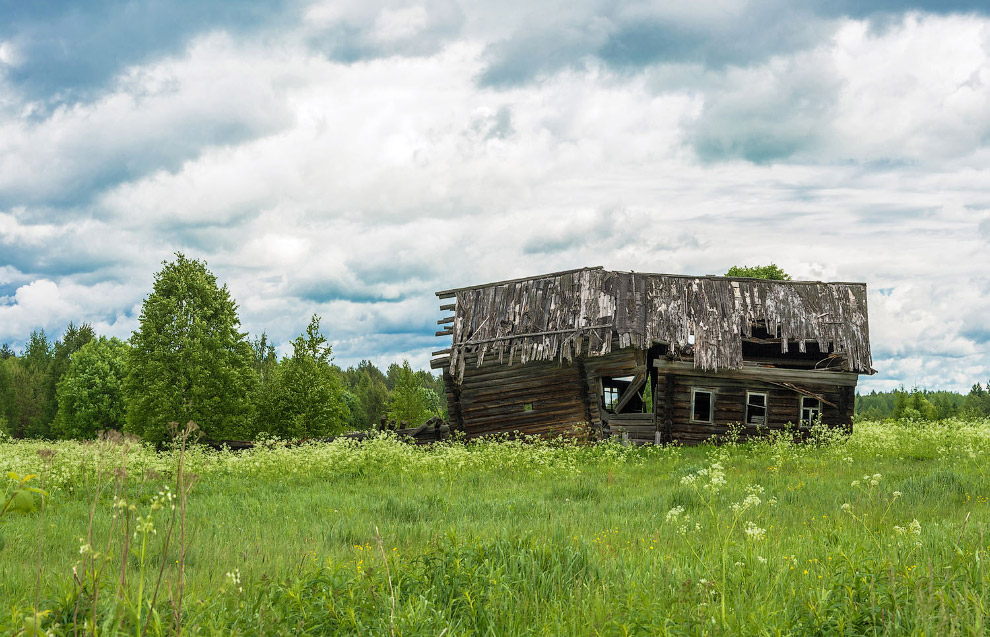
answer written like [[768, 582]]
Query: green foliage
[[977, 402], [62, 351], [369, 386], [759, 272], [90, 393], [408, 402], [23, 395], [916, 404], [188, 359], [880, 532], [305, 397]]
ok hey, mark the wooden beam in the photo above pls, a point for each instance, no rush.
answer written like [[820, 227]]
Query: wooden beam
[[575, 331], [446, 332], [446, 320], [631, 390], [448, 306], [814, 377], [440, 352], [803, 392]]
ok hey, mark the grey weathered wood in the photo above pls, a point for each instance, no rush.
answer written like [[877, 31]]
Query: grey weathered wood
[[587, 312], [446, 294]]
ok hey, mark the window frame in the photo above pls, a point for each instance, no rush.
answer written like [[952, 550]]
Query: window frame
[[809, 421], [711, 404], [610, 392], [765, 406]]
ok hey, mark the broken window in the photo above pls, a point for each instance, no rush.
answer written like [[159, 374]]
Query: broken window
[[756, 408], [702, 405], [614, 390], [811, 410]]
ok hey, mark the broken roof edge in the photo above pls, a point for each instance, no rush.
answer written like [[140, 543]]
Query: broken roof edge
[[445, 294]]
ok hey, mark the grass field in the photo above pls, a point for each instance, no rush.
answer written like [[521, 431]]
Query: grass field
[[883, 532]]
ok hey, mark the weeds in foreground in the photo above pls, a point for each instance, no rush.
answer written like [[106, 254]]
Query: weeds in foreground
[[504, 537]]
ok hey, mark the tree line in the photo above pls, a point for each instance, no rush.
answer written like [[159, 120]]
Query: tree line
[[924, 404], [188, 360]]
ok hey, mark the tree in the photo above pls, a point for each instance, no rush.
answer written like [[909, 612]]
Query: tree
[[24, 399], [759, 272], [409, 402], [62, 350], [368, 384], [188, 360], [305, 399], [977, 402], [90, 393], [5, 352]]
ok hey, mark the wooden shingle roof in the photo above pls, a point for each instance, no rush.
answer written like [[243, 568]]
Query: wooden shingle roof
[[577, 312]]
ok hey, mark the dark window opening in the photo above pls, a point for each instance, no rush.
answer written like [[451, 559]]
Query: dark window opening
[[701, 405], [756, 408]]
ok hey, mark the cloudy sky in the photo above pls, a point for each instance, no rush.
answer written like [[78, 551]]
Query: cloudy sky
[[349, 158]]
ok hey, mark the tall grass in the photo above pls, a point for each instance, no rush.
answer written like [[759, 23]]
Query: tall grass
[[882, 532]]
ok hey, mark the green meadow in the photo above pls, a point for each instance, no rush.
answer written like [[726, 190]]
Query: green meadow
[[880, 532]]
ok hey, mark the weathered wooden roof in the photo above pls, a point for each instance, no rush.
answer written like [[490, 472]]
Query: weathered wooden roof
[[567, 314]]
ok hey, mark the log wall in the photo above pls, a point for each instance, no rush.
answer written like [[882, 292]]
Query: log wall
[[783, 406], [496, 398]]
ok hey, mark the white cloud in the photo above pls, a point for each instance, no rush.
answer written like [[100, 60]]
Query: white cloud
[[359, 187]]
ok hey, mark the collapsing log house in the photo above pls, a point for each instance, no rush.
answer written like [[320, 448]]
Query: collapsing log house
[[546, 353]]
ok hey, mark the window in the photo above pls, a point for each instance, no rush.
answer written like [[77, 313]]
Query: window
[[610, 396], [701, 405], [613, 389], [756, 408], [811, 410]]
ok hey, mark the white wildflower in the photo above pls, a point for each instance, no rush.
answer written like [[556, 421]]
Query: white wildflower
[[754, 532], [674, 513]]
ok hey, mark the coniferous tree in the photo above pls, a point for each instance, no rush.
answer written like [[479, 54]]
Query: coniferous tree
[[188, 360], [305, 398]]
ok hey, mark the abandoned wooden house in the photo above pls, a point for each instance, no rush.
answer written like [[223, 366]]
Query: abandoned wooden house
[[652, 357]]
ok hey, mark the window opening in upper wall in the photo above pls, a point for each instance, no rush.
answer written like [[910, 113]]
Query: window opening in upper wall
[[756, 408], [702, 405]]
